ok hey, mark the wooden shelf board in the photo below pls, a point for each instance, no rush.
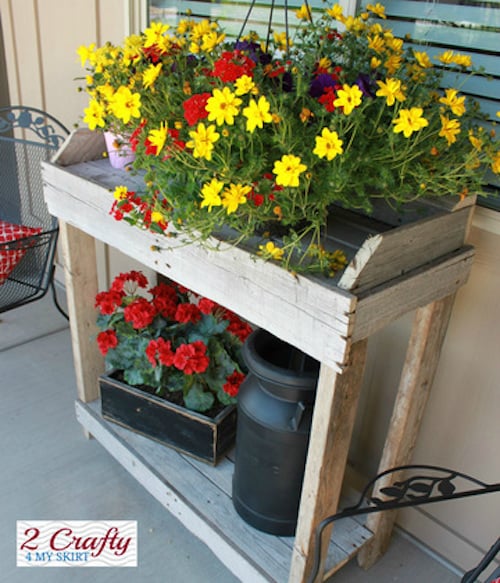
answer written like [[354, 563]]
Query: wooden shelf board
[[199, 495]]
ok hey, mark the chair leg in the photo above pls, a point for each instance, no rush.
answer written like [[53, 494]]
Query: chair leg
[[54, 294]]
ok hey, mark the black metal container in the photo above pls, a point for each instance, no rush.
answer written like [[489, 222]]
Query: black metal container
[[275, 405]]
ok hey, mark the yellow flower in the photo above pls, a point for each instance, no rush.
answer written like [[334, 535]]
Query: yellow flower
[[335, 12], [257, 114], [475, 141], [154, 33], [456, 104], [462, 60], [94, 115], [233, 196], [328, 145], [375, 63], [348, 98], [151, 74], [120, 192], [158, 137], [210, 193], [223, 106], [288, 170], [86, 53], [450, 128], [423, 59], [282, 41], [391, 90], [495, 165], [409, 121], [244, 85], [377, 9], [211, 40], [446, 57], [157, 217], [125, 104], [270, 251], [203, 139], [376, 43], [304, 13], [393, 63]]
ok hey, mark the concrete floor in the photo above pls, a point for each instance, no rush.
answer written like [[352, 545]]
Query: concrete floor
[[51, 471]]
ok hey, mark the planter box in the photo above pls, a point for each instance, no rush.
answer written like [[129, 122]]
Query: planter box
[[396, 264], [187, 431]]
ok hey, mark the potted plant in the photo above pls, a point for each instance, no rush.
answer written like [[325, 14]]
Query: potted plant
[[252, 138], [174, 364]]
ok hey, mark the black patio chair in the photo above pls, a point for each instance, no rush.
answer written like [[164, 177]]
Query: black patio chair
[[437, 484], [28, 233]]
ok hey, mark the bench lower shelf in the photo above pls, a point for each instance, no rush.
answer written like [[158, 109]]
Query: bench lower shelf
[[199, 495]]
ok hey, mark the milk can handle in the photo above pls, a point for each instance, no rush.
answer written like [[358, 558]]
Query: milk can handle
[[297, 418]]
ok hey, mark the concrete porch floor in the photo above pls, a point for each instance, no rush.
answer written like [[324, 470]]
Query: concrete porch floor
[[51, 471]]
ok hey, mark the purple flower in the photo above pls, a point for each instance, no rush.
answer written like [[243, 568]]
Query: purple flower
[[366, 84], [320, 83]]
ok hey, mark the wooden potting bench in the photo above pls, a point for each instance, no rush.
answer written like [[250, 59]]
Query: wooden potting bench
[[394, 268]]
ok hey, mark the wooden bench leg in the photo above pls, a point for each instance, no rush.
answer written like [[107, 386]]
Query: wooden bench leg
[[81, 287], [422, 357], [328, 448]]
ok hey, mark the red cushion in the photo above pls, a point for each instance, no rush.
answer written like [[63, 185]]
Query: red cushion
[[10, 255]]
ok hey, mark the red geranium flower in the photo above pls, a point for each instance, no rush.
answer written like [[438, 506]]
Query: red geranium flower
[[106, 340], [108, 301], [140, 313], [232, 386], [191, 358], [187, 313]]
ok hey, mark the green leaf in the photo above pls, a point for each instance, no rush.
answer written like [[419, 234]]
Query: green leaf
[[198, 400]]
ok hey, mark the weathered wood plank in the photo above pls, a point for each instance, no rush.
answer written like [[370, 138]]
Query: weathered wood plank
[[408, 247], [429, 328], [199, 496], [80, 146], [307, 313], [333, 419], [81, 287], [420, 287]]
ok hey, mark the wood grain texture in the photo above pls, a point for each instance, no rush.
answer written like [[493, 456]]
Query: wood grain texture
[[199, 495], [435, 280], [398, 251], [331, 432], [310, 314], [81, 287], [429, 329]]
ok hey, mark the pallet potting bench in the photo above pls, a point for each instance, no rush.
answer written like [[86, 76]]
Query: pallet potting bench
[[393, 269]]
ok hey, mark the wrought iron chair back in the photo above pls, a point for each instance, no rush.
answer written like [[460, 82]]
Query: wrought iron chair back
[[28, 136], [436, 485]]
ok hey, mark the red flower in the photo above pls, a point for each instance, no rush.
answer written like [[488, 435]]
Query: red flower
[[140, 313], [136, 277], [162, 349], [106, 340], [194, 108], [327, 99], [232, 66], [134, 138], [165, 300], [237, 326], [206, 306], [191, 358], [232, 386], [108, 301], [187, 313]]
